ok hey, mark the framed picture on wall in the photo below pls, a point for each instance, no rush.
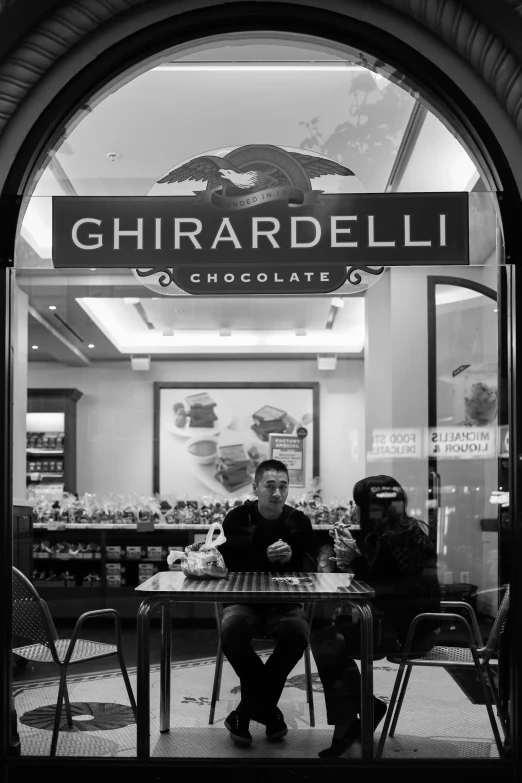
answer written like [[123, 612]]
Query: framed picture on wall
[[210, 437]]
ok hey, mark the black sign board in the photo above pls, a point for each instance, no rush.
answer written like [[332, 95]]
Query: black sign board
[[399, 229]]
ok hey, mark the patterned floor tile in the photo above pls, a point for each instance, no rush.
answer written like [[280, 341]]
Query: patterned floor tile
[[437, 720]]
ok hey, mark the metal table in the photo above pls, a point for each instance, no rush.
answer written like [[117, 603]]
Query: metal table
[[244, 587]]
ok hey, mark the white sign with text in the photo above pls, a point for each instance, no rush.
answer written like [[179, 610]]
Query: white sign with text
[[462, 442], [396, 443]]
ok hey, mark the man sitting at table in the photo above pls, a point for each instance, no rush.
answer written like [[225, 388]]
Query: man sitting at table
[[265, 535]]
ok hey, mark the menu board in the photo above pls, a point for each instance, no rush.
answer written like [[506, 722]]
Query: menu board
[[290, 449]]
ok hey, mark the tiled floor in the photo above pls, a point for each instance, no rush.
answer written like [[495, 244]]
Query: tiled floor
[[437, 719]]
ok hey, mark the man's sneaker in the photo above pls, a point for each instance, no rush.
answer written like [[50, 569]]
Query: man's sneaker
[[237, 725], [276, 726]]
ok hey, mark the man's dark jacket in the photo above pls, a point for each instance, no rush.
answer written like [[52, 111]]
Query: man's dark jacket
[[249, 534]]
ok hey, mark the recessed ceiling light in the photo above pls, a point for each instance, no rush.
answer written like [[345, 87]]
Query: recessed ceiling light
[[34, 347], [52, 307], [91, 345]]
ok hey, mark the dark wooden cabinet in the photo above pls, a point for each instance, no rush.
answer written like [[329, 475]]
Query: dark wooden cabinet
[[23, 538]]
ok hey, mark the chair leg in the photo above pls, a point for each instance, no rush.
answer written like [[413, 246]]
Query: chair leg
[[309, 689], [58, 712], [483, 681], [401, 699], [391, 707], [126, 680], [496, 699], [67, 707], [222, 657], [217, 682]]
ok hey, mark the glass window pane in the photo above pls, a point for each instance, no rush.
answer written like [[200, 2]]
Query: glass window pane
[[142, 413]]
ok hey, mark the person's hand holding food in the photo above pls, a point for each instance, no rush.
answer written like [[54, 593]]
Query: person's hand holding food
[[344, 546], [279, 553]]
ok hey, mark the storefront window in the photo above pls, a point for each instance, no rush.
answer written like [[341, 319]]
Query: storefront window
[[144, 404]]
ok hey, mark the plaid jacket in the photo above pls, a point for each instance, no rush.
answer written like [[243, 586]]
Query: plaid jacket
[[401, 566]]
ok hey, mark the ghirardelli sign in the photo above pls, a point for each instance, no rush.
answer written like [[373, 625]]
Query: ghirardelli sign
[[260, 227]]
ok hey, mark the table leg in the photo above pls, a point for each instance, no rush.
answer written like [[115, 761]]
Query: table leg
[[143, 678], [366, 626], [166, 630]]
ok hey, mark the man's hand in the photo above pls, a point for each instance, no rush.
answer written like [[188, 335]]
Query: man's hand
[[279, 553]]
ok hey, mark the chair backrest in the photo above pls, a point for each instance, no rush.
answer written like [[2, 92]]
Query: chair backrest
[[497, 627], [31, 617]]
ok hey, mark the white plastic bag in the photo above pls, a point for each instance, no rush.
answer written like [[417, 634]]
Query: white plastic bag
[[203, 560]]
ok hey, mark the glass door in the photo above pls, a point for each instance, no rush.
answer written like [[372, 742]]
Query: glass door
[[464, 438]]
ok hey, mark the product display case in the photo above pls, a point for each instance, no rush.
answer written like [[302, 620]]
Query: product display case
[[51, 438], [100, 566]]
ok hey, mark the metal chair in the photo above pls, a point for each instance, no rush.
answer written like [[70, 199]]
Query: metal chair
[[32, 621], [475, 654], [216, 688]]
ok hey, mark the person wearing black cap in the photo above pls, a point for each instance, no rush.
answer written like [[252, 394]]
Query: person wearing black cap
[[397, 559]]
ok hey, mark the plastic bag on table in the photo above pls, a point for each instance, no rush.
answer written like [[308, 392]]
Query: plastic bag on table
[[203, 560]]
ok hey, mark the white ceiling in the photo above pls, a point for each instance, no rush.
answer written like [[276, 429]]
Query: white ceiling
[[278, 325]]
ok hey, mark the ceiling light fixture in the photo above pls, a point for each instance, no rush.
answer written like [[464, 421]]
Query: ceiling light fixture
[[52, 307], [337, 302], [331, 317], [34, 347], [91, 345], [92, 270]]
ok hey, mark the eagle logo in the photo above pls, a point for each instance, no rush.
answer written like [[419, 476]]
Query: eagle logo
[[254, 168]]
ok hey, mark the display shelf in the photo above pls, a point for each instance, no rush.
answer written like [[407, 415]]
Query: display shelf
[[43, 475], [45, 452], [68, 600], [67, 559], [194, 528]]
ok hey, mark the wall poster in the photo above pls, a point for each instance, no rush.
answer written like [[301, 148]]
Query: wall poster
[[290, 449], [209, 438]]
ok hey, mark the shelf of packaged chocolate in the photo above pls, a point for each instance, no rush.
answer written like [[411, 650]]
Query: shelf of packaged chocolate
[[66, 512], [45, 454], [50, 570], [113, 566]]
